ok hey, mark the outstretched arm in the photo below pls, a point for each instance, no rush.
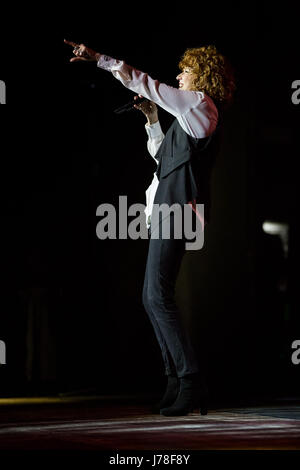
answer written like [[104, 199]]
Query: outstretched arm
[[195, 111], [174, 101]]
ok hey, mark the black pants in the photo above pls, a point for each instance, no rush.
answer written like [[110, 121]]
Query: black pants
[[163, 263]]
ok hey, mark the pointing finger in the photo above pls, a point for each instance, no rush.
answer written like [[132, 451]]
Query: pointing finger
[[71, 43]]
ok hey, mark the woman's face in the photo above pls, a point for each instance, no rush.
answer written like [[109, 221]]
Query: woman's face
[[186, 79]]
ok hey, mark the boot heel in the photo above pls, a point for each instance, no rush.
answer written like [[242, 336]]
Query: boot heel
[[190, 397]]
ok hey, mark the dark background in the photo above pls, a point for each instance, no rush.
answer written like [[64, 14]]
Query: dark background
[[71, 310]]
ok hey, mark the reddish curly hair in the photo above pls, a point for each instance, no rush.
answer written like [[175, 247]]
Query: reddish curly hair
[[215, 75]]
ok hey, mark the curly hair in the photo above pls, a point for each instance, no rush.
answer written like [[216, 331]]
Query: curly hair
[[214, 74]]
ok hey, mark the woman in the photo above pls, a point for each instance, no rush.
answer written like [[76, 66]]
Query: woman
[[185, 158]]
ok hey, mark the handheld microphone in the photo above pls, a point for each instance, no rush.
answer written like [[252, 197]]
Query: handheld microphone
[[129, 106]]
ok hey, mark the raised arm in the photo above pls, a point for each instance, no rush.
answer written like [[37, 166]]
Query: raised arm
[[194, 110], [176, 102]]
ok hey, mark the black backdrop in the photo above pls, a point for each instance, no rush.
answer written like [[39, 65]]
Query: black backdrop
[[71, 309]]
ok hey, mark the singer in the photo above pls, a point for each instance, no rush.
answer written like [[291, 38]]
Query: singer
[[185, 158]]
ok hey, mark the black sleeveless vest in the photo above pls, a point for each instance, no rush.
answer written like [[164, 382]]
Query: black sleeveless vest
[[185, 166]]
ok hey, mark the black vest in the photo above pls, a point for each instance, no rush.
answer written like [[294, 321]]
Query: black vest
[[185, 166]]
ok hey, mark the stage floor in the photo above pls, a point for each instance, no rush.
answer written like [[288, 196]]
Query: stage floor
[[110, 423]]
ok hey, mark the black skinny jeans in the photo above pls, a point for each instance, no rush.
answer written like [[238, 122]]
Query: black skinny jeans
[[163, 263]]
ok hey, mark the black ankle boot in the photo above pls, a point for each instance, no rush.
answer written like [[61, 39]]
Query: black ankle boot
[[170, 394], [192, 395]]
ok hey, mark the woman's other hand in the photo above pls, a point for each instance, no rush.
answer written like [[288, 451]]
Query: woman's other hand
[[148, 108]]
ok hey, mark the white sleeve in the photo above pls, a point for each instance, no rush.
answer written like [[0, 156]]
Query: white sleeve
[[155, 138], [195, 111]]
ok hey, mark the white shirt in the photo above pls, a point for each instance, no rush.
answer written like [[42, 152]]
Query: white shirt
[[155, 138], [195, 111]]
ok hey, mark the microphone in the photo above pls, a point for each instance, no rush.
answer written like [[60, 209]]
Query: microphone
[[129, 106]]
